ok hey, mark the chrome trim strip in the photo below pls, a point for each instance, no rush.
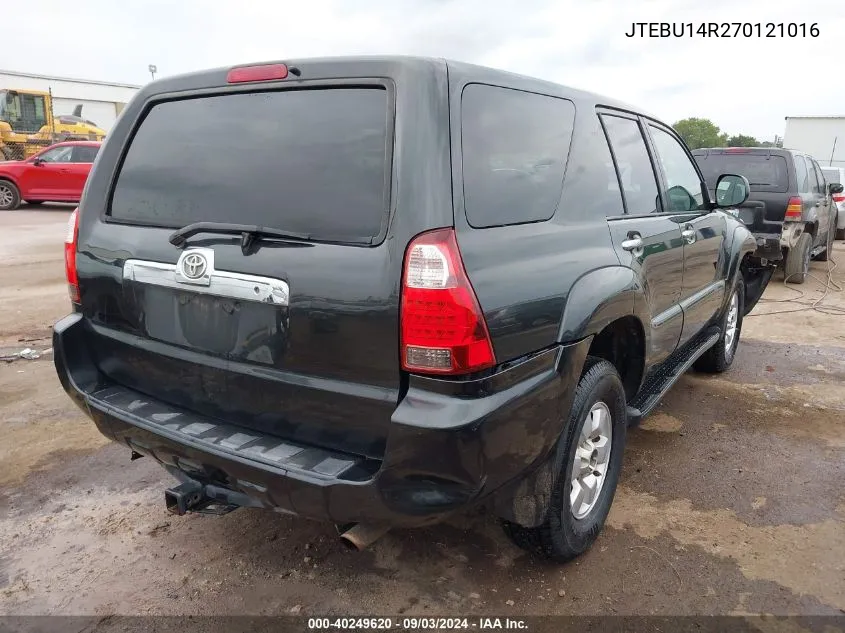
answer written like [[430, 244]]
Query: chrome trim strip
[[702, 294], [219, 283], [667, 315]]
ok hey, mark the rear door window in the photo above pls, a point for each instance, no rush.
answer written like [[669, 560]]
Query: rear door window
[[636, 173], [514, 145], [765, 172], [313, 162], [84, 154], [802, 176], [815, 186], [819, 176]]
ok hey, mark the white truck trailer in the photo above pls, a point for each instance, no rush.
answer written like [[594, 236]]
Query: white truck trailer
[[823, 137]]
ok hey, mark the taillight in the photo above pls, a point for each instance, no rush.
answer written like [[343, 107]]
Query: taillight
[[70, 256], [442, 327], [839, 197], [264, 72], [793, 209]]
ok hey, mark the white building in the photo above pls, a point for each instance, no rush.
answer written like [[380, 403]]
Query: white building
[[823, 137], [101, 101]]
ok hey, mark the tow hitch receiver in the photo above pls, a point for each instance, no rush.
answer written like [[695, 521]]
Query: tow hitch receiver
[[184, 497], [193, 496]]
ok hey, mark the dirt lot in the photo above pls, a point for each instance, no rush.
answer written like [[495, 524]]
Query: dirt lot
[[731, 501]]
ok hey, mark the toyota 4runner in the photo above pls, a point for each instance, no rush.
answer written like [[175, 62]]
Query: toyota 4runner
[[379, 290]]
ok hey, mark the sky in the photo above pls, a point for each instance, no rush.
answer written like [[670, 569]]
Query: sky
[[744, 85]]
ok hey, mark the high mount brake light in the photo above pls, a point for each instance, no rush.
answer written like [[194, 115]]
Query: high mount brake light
[[442, 327], [265, 72]]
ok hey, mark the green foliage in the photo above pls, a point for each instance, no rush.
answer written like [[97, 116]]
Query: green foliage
[[700, 133], [742, 140]]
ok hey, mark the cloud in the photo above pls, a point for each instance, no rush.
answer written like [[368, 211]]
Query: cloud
[[745, 85]]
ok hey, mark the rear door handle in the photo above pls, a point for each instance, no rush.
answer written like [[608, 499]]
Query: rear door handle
[[688, 234], [633, 243]]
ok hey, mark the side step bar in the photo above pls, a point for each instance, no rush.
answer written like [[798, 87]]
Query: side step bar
[[656, 385]]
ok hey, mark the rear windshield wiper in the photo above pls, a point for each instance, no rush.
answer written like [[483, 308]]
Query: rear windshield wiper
[[248, 233]]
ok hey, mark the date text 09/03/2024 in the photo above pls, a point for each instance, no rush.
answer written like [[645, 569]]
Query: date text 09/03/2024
[[421, 623], [723, 29]]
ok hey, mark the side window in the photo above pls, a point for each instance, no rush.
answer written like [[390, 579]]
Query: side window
[[633, 165], [815, 187], [682, 181], [819, 177], [801, 174], [515, 145], [84, 154], [57, 154]]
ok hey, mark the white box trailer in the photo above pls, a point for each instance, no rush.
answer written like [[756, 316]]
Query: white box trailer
[[823, 137]]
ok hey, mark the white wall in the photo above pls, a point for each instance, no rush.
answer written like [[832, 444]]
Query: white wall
[[101, 102], [103, 113], [816, 136]]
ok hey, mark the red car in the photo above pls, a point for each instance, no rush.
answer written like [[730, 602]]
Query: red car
[[55, 174]]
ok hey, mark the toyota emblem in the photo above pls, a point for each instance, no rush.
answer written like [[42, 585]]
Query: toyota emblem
[[194, 265]]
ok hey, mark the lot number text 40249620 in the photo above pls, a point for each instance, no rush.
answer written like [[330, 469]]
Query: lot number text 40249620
[[723, 29]]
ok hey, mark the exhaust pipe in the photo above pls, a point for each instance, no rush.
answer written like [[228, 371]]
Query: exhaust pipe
[[361, 535]]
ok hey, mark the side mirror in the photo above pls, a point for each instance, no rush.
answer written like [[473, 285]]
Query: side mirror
[[835, 187], [38, 162], [732, 190]]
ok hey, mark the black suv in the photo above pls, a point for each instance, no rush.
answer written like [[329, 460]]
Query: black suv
[[790, 208], [379, 290]]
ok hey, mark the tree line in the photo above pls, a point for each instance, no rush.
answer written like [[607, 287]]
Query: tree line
[[704, 133]]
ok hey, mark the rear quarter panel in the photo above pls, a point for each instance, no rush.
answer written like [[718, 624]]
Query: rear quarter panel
[[525, 274]]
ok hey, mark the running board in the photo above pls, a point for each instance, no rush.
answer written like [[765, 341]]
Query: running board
[[656, 386]]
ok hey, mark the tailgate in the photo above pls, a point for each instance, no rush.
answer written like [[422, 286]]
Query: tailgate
[[764, 212], [294, 336]]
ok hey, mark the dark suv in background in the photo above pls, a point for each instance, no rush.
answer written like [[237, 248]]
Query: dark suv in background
[[790, 209], [376, 291]]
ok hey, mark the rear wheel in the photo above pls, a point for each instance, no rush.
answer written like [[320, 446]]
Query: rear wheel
[[10, 197], [594, 441], [719, 357], [798, 260]]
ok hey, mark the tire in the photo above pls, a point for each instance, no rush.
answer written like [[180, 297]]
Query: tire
[[840, 234], [563, 536], [10, 197], [798, 260], [719, 357], [825, 255]]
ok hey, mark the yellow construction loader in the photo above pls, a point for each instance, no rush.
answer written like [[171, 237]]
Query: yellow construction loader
[[27, 124]]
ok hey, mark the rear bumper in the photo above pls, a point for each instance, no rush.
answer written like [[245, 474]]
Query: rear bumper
[[768, 247], [450, 444]]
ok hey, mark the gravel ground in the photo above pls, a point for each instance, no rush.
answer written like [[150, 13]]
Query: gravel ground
[[731, 499]]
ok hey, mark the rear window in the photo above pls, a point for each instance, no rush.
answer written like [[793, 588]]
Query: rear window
[[514, 145], [304, 161], [832, 176], [764, 172]]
